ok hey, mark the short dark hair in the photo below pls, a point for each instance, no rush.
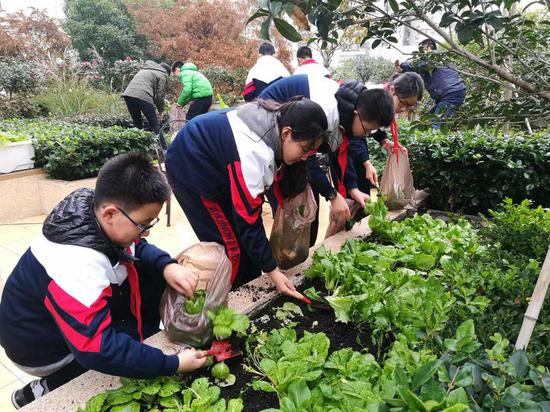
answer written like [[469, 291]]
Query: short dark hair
[[428, 42], [408, 84], [177, 65], [266, 48], [131, 181], [304, 52], [376, 105]]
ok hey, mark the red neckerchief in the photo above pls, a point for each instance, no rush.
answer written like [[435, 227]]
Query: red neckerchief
[[135, 296], [308, 61], [277, 188], [343, 163], [393, 130]]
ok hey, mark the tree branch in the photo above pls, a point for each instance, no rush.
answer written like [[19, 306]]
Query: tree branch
[[506, 75]]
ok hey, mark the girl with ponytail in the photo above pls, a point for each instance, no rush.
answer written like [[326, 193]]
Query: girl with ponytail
[[221, 163]]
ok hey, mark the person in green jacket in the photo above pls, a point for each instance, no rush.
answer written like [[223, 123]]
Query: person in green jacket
[[196, 89], [145, 94]]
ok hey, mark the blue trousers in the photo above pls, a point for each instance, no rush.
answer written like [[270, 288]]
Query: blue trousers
[[447, 106]]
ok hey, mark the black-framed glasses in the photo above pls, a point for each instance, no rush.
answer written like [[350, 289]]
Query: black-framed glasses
[[142, 228]]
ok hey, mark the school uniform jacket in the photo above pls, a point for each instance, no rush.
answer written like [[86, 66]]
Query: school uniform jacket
[[56, 303], [217, 152], [267, 70], [322, 91]]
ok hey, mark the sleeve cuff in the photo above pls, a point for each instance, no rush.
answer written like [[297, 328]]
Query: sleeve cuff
[[171, 365], [269, 266], [164, 261]]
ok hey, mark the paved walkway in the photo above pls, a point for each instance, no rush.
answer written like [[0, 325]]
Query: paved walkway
[[15, 239]]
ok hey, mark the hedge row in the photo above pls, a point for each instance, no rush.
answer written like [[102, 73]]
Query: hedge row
[[71, 151], [473, 171]]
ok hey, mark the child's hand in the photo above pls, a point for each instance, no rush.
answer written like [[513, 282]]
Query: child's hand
[[182, 281], [191, 359]]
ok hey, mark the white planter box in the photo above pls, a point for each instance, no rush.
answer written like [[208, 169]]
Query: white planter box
[[16, 156]]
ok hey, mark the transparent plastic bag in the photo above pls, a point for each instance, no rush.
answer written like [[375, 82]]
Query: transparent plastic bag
[[177, 118], [209, 260], [397, 180], [289, 238], [337, 225]]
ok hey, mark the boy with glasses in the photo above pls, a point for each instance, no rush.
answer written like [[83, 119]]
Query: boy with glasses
[[87, 291]]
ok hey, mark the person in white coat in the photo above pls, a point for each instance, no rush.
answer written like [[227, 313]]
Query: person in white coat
[[267, 70], [308, 65]]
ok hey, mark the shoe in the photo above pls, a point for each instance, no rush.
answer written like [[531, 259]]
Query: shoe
[[28, 393]]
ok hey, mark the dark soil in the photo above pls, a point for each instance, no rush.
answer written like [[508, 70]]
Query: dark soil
[[341, 336]]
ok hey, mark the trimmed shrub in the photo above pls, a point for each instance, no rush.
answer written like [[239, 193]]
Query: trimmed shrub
[[70, 151], [473, 171]]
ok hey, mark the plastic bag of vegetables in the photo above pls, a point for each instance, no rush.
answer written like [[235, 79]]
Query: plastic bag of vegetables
[[289, 238], [186, 320]]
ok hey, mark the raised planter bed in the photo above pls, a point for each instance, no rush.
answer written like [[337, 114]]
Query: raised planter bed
[[250, 299], [30, 193]]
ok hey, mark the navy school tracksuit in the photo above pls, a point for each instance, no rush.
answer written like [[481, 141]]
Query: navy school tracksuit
[[219, 170], [339, 111], [75, 301]]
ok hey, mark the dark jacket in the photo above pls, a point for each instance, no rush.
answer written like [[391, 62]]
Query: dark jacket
[[149, 84], [59, 298], [441, 82]]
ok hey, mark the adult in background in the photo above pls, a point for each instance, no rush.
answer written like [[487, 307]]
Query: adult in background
[[308, 65], [443, 84], [197, 89], [145, 94], [267, 70]]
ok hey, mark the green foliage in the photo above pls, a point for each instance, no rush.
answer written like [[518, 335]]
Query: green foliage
[[226, 82], [68, 151], [458, 376], [163, 393], [76, 97], [19, 76], [509, 44], [104, 26], [426, 277], [473, 171], [122, 119], [519, 229], [20, 105], [6, 138], [225, 321], [195, 303], [366, 69]]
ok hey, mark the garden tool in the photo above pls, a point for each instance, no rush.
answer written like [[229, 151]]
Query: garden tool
[[316, 305]]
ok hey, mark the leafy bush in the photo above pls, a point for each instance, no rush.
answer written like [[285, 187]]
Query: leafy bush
[[459, 376], [228, 83], [424, 278], [519, 229], [19, 76], [365, 68], [104, 120], [68, 151], [473, 171], [75, 97], [20, 106]]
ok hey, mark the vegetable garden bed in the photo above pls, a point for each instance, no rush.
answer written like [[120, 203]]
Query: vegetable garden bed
[[424, 316]]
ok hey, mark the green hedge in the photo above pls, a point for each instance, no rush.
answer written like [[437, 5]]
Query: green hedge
[[70, 151], [473, 171]]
